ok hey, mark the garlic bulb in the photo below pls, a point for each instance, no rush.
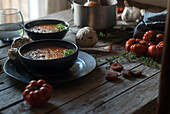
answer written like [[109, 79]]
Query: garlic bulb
[[131, 14]]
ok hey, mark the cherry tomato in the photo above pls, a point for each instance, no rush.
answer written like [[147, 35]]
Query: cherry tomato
[[37, 92]]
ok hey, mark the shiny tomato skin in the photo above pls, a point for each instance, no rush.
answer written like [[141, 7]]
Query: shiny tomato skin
[[149, 35], [161, 44], [143, 42], [155, 51], [120, 10], [37, 92], [160, 37], [138, 49], [138, 46], [130, 42]]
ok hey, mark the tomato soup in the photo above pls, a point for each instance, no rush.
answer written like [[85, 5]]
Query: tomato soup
[[48, 28], [45, 53]]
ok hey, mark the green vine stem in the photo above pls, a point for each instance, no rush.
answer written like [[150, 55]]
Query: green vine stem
[[131, 57]]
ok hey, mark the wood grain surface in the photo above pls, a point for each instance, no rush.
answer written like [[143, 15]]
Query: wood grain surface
[[91, 93]]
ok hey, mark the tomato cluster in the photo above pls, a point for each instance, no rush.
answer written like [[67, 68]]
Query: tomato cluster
[[37, 92], [138, 46], [152, 43]]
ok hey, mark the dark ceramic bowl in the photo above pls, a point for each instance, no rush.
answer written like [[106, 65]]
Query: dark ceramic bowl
[[39, 36], [48, 66]]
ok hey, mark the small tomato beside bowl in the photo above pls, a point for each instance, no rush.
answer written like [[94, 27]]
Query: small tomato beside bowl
[[37, 92]]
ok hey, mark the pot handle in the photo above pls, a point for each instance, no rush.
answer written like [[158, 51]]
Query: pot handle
[[71, 2]]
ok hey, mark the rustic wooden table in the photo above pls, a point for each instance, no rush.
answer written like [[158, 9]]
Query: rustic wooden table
[[91, 93]]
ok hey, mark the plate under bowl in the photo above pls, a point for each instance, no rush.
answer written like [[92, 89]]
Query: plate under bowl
[[84, 64]]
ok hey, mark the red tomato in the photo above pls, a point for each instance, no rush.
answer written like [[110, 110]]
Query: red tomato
[[149, 36], [37, 92], [120, 10], [139, 47], [151, 43], [160, 37], [129, 43], [143, 42], [155, 51], [161, 44]]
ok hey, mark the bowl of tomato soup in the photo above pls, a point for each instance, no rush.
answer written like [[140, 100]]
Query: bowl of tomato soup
[[48, 56], [46, 29]]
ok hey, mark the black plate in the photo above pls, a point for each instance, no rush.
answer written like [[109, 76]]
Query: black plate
[[83, 65]]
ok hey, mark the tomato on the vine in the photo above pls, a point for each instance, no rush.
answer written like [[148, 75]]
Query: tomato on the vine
[[37, 92], [137, 46], [155, 51]]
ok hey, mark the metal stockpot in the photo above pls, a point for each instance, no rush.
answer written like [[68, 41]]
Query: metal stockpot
[[99, 17]]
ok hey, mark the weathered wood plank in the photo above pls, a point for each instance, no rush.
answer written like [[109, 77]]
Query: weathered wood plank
[[65, 93], [5, 80], [132, 100], [11, 95], [2, 61], [149, 108], [105, 92], [116, 51], [2, 44], [4, 52]]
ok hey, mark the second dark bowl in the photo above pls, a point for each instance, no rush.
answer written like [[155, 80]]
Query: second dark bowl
[[50, 66], [39, 36]]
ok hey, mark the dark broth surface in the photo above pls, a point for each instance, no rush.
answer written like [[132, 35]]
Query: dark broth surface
[[45, 53], [50, 28]]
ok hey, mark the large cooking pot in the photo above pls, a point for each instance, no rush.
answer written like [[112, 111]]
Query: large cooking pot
[[97, 17]]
